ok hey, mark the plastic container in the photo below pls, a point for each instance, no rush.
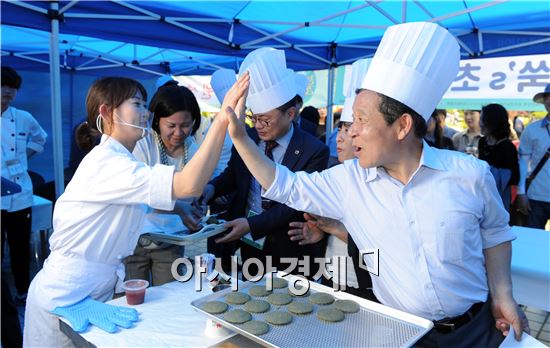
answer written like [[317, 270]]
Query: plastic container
[[135, 290]]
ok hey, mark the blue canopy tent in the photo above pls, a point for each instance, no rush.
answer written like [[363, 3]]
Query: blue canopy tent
[[314, 34]]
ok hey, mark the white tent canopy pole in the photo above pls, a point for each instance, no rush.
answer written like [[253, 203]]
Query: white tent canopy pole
[[55, 90]]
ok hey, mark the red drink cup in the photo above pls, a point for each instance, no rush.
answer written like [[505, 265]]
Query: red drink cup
[[135, 290]]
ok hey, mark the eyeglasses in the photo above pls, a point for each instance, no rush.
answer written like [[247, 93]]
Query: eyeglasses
[[255, 119]]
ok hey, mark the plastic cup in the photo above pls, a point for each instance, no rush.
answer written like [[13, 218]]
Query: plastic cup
[[135, 290]]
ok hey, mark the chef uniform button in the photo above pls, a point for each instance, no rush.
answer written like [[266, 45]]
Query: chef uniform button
[[12, 134], [12, 149]]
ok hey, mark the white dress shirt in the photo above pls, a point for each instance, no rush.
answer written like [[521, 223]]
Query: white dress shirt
[[20, 131], [534, 142], [97, 222], [430, 232]]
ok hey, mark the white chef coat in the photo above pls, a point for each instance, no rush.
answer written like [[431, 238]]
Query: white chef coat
[[430, 232], [20, 131], [97, 222]]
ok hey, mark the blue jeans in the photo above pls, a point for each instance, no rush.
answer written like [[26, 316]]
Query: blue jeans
[[539, 214]]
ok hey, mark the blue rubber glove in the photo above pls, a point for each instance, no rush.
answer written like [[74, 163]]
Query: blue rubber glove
[[104, 316]]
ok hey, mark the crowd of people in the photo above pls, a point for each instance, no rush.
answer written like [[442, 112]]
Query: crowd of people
[[433, 200]]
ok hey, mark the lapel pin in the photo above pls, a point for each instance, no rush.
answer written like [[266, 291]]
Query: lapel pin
[[296, 152]]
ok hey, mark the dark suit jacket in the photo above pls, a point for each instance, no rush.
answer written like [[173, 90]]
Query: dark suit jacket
[[304, 153], [308, 126]]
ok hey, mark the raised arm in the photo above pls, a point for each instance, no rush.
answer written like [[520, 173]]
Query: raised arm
[[190, 181]]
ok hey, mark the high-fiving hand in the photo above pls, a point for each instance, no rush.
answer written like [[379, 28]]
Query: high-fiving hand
[[235, 99]]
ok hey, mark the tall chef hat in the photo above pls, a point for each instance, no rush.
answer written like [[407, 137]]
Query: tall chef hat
[[221, 82], [415, 64], [301, 85], [352, 81], [271, 83]]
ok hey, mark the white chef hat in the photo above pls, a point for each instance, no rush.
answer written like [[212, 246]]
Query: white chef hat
[[271, 83], [163, 80], [301, 85], [415, 64], [221, 81], [352, 81]]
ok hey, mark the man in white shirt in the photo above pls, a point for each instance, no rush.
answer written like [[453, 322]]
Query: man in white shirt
[[22, 137], [444, 242], [534, 144]]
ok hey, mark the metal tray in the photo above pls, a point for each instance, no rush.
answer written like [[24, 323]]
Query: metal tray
[[374, 325], [184, 237]]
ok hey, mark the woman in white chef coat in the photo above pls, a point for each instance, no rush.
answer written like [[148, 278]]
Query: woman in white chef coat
[[98, 219], [177, 117]]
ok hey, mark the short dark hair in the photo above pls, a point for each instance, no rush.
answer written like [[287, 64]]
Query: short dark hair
[[171, 99], [11, 78], [311, 114], [495, 120], [289, 104], [392, 109]]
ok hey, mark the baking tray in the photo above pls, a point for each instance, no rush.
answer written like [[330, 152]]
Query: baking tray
[[374, 325], [185, 237]]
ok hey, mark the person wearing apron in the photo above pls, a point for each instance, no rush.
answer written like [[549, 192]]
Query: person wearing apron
[[98, 218]]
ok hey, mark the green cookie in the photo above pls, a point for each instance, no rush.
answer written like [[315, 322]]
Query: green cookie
[[278, 318], [330, 314], [214, 307], [347, 306], [279, 299], [257, 306], [237, 298], [237, 316], [256, 327]]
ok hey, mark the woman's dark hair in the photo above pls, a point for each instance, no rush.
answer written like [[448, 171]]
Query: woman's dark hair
[[311, 114], [438, 130], [171, 99], [392, 109], [111, 91], [11, 78], [495, 120]]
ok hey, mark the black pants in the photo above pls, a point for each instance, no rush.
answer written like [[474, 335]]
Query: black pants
[[479, 332], [11, 329], [16, 228]]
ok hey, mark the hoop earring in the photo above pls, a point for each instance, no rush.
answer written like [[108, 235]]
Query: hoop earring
[[98, 123]]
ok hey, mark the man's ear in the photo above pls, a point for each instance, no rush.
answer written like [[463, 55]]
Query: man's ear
[[405, 126], [291, 113]]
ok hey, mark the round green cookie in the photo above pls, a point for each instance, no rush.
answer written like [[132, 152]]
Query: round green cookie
[[347, 306], [258, 291], [321, 298], [256, 327], [331, 315], [279, 299], [237, 316], [279, 283], [298, 288], [257, 306], [237, 298], [278, 318], [214, 307], [300, 308]]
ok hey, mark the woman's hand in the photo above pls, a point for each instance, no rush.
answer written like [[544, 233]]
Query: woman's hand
[[235, 98]]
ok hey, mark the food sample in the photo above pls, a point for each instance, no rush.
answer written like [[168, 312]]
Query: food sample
[[300, 308], [212, 220], [257, 306], [278, 318], [237, 316], [330, 314], [215, 307], [258, 291], [279, 283], [347, 306], [279, 299], [237, 298], [321, 298], [256, 327]]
